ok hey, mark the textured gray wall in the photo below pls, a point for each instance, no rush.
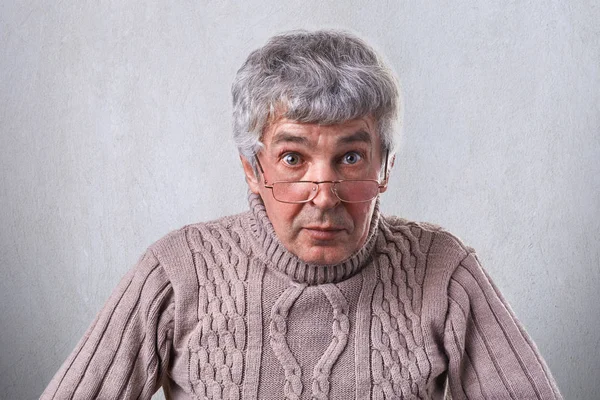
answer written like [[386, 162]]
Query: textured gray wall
[[115, 129]]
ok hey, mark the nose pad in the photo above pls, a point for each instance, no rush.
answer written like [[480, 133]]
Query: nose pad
[[326, 198], [334, 190]]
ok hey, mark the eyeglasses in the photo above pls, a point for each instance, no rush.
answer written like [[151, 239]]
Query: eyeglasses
[[347, 190]]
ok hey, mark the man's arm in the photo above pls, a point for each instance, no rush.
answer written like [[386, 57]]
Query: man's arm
[[490, 354], [125, 351]]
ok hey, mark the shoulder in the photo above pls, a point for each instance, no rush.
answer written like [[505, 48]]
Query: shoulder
[[431, 239], [180, 239], [431, 255], [175, 251], [428, 250]]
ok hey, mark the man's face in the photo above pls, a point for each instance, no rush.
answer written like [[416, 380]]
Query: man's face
[[324, 230]]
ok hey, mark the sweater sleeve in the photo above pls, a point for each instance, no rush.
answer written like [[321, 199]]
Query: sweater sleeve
[[124, 353], [489, 353]]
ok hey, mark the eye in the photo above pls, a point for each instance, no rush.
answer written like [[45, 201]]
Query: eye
[[351, 157], [291, 159]]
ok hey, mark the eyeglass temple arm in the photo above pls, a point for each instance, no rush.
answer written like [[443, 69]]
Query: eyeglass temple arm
[[262, 171]]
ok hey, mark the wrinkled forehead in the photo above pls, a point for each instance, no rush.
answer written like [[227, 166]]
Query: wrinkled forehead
[[283, 131]]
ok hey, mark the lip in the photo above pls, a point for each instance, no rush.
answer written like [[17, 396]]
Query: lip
[[323, 233]]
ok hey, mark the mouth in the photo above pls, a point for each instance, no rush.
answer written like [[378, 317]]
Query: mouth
[[324, 233]]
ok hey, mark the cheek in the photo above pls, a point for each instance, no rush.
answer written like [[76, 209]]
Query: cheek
[[281, 215], [361, 215]]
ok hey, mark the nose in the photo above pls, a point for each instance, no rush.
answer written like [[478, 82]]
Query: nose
[[325, 198]]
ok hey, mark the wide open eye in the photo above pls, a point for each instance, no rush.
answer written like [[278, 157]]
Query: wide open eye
[[291, 159], [351, 157]]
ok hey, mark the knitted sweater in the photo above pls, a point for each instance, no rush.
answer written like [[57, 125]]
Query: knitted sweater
[[221, 310]]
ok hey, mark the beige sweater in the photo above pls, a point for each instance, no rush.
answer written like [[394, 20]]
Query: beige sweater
[[222, 310]]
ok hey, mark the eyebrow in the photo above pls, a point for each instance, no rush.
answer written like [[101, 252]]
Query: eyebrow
[[286, 137]]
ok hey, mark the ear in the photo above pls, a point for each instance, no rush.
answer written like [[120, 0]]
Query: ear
[[251, 178], [389, 171]]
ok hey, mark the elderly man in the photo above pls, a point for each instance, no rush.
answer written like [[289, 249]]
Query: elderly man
[[312, 293]]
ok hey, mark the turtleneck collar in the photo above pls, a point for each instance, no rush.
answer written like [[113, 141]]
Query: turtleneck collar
[[271, 251]]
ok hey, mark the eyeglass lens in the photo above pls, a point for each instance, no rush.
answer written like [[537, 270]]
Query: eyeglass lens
[[348, 191]]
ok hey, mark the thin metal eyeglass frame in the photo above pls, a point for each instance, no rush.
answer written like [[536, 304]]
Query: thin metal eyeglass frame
[[379, 184]]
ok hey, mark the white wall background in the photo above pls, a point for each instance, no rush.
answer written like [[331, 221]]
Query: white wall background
[[115, 129]]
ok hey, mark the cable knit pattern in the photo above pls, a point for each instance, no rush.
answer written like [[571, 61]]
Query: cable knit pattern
[[293, 385], [216, 345], [398, 357], [222, 310], [341, 327]]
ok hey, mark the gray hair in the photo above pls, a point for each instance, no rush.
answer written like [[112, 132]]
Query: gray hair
[[324, 77]]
